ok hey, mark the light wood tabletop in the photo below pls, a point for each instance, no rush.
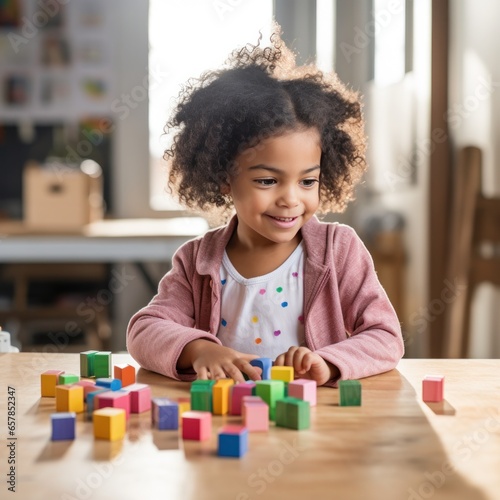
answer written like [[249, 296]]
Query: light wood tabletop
[[392, 447]]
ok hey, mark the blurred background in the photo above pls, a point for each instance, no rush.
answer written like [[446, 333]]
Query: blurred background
[[86, 88]]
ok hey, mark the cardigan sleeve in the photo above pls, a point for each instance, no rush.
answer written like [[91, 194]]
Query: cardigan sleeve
[[374, 342], [157, 334]]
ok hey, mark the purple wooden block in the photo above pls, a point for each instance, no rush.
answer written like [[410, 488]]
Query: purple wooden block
[[63, 426], [165, 414]]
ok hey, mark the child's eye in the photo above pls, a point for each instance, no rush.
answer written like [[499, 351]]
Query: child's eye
[[309, 182], [265, 182]]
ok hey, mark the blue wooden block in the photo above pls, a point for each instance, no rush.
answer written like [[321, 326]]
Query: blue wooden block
[[265, 365], [91, 401], [165, 414], [112, 384], [233, 441], [63, 426]]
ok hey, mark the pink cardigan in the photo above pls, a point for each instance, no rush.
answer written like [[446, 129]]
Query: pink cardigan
[[349, 320]]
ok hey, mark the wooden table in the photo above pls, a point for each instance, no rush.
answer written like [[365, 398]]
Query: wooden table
[[392, 447]]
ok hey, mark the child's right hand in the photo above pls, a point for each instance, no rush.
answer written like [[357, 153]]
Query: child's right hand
[[213, 361]]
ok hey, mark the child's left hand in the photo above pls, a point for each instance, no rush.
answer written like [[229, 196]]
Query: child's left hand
[[307, 364]]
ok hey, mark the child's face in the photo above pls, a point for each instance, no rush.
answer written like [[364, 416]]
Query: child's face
[[276, 189]]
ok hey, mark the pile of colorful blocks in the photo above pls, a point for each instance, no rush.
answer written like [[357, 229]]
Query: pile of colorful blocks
[[108, 402]]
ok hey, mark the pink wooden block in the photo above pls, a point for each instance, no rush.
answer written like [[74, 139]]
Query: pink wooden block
[[251, 399], [114, 399], [433, 388], [140, 397], [196, 425], [238, 391], [255, 416], [303, 389]]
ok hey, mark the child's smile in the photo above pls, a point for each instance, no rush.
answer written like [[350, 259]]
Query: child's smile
[[276, 189]]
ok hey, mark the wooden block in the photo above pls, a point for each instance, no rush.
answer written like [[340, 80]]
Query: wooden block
[[48, 381], [140, 397], [114, 399], [255, 416], [220, 396], [109, 423], [303, 389], [113, 384], [88, 386], [196, 425], [350, 393], [184, 406], [87, 363], [67, 378], [201, 397], [284, 373], [69, 398], [232, 441], [63, 426], [433, 388], [92, 398], [293, 413], [265, 365], [125, 373], [238, 391], [102, 364], [270, 391], [165, 414]]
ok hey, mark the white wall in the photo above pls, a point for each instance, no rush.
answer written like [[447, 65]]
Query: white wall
[[475, 106]]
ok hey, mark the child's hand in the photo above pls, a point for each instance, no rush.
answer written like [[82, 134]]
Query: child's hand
[[213, 361], [307, 364]]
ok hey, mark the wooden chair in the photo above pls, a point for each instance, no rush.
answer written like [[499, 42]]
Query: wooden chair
[[474, 249]]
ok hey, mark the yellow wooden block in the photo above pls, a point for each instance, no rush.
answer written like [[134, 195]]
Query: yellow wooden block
[[284, 373], [69, 398], [184, 405], [48, 382], [109, 423], [220, 396]]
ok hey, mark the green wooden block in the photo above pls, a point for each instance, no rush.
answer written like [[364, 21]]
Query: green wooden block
[[298, 414], [350, 392], [270, 391], [293, 413], [67, 378], [201, 398], [102, 364], [203, 383], [87, 363]]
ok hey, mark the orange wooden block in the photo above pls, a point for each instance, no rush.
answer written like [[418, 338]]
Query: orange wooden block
[[125, 373], [48, 382]]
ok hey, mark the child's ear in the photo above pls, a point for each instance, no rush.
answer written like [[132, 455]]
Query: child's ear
[[225, 188]]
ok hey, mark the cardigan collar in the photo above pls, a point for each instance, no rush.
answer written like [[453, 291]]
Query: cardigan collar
[[214, 242]]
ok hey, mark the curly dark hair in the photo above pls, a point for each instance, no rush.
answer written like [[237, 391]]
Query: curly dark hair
[[262, 93]]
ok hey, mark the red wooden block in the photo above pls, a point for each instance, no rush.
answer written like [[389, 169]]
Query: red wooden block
[[88, 386], [140, 397], [196, 425], [115, 399], [238, 391], [433, 388], [126, 373]]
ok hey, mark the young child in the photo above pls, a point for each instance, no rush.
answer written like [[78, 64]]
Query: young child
[[276, 143]]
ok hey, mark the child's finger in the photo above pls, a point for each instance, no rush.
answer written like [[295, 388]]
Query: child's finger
[[202, 373], [235, 373], [290, 356], [280, 360], [253, 372]]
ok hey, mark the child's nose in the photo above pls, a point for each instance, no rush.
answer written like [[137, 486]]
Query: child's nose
[[289, 197]]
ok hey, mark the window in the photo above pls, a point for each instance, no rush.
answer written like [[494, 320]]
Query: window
[[186, 38]]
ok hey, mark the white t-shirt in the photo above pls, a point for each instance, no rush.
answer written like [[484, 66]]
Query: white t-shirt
[[263, 315]]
